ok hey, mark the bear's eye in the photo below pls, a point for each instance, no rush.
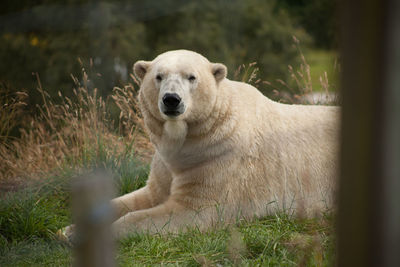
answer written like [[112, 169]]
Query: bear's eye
[[158, 77], [192, 78]]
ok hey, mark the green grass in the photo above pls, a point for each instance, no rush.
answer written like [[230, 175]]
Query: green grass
[[321, 61], [36, 212], [30, 218], [35, 252], [264, 242]]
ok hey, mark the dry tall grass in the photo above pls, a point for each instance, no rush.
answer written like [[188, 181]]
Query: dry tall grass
[[79, 131], [74, 132], [299, 89]]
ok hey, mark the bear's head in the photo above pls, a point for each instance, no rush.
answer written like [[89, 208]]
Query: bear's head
[[179, 85]]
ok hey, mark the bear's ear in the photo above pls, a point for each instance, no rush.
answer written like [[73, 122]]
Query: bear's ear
[[140, 68], [219, 71]]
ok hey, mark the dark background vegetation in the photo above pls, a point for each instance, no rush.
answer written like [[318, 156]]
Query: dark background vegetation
[[60, 37]]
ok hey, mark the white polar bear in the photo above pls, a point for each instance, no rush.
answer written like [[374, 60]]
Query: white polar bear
[[224, 151]]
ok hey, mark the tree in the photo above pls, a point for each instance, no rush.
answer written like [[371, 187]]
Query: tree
[[107, 37]]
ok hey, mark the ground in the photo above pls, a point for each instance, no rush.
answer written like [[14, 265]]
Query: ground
[[29, 219]]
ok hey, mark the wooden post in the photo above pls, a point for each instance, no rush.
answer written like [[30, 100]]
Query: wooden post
[[93, 216], [369, 199]]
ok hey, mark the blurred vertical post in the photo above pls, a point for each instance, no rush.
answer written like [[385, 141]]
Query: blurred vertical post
[[369, 199], [93, 216]]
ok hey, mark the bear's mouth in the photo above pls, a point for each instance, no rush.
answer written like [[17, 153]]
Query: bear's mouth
[[172, 113]]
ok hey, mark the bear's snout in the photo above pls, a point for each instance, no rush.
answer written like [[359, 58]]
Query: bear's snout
[[172, 105], [171, 101]]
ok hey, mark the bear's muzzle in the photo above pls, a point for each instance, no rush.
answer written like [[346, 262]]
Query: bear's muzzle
[[172, 104]]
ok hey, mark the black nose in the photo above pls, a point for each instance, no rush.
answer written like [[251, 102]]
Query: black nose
[[171, 100]]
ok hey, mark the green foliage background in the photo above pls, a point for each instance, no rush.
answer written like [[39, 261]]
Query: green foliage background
[[58, 38]]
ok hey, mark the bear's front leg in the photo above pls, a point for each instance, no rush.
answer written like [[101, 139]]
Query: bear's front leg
[[167, 217], [137, 200], [154, 193]]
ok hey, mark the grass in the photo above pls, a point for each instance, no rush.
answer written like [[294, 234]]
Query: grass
[[270, 241], [36, 252], [76, 132], [322, 61], [71, 135], [313, 81], [30, 218]]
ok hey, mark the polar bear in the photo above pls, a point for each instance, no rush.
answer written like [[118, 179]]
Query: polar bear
[[224, 151]]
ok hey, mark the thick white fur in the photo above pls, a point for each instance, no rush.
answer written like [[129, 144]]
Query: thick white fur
[[233, 153]]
